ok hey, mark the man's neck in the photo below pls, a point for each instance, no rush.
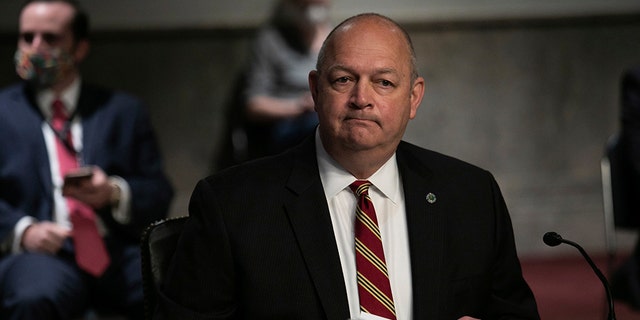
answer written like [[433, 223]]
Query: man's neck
[[361, 164], [62, 85]]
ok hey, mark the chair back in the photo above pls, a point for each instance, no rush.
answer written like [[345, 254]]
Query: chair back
[[622, 185], [158, 243]]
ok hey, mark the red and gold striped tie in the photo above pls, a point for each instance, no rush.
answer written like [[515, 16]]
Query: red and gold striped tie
[[374, 288]]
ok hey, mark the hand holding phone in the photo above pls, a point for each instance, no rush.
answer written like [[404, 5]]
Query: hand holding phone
[[75, 178]]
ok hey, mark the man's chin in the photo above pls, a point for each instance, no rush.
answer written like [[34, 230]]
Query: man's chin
[[360, 143]]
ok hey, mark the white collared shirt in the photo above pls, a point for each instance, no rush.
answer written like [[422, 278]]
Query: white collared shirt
[[388, 199]]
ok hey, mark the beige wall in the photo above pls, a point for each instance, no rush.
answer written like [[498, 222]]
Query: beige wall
[[533, 101], [169, 14]]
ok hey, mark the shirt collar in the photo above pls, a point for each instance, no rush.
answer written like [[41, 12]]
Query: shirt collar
[[335, 178], [69, 98]]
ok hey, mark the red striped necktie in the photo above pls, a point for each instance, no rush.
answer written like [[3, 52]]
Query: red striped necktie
[[90, 252], [374, 288]]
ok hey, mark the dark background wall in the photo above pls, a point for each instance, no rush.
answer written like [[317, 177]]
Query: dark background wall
[[532, 98]]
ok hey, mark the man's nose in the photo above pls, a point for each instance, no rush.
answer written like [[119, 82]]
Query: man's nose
[[37, 42], [361, 94]]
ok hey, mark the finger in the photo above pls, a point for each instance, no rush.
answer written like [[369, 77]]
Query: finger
[[46, 245]]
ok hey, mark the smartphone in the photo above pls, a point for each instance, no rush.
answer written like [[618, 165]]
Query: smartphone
[[77, 176]]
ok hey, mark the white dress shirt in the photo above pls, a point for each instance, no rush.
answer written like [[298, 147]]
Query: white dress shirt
[[388, 199]]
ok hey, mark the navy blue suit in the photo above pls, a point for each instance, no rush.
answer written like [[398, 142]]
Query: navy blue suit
[[117, 137], [259, 244]]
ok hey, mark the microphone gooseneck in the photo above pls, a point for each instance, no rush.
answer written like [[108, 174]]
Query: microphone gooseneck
[[553, 239]]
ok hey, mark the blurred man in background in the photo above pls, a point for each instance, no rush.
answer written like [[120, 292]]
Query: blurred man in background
[[80, 176]]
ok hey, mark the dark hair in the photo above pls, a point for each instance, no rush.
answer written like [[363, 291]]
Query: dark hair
[[80, 22]]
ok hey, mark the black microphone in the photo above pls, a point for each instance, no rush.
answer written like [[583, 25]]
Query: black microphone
[[553, 239]]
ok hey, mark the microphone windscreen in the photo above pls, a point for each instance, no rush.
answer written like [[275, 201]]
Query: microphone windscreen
[[552, 239]]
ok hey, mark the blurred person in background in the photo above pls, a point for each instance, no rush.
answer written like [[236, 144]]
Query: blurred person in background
[[273, 93], [80, 177]]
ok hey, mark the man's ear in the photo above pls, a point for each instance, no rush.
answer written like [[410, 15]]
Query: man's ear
[[417, 92], [81, 51], [313, 86]]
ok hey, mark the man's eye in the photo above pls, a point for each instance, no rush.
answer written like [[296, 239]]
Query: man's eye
[[27, 37], [342, 80], [50, 38], [386, 83]]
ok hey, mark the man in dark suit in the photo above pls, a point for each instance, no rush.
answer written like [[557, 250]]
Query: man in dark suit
[[121, 190], [274, 238]]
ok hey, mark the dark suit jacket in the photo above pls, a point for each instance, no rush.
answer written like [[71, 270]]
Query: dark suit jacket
[[117, 136], [259, 244]]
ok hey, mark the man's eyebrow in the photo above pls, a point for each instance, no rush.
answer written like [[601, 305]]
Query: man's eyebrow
[[339, 67], [387, 71], [380, 71]]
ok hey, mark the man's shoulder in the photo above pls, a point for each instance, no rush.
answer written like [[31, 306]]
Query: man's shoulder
[[434, 159], [269, 167], [96, 90], [11, 91], [11, 97], [435, 166], [97, 98], [272, 171]]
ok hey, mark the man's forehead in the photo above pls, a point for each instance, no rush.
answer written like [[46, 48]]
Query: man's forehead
[[365, 44], [51, 15], [368, 32]]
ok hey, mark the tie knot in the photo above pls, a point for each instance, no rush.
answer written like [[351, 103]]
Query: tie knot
[[360, 187], [59, 112]]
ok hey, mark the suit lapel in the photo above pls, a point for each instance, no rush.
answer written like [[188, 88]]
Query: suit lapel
[[92, 103], [426, 225], [311, 223], [31, 120], [85, 110]]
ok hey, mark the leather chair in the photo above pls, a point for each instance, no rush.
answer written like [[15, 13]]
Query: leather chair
[[620, 206], [158, 243], [621, 211]]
